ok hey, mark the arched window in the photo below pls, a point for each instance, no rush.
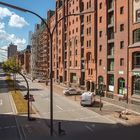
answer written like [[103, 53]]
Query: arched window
[[100, 79], [136, 36], [136, 60]]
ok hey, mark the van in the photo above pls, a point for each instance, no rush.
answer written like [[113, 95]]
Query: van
[[87, 99]]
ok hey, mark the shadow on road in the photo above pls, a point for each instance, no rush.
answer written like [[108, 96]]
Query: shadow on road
[[73, 130]]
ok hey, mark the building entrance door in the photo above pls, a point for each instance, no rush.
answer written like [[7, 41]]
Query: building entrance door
[[121, 84]]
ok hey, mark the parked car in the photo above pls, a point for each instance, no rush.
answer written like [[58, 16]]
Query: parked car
[[71, 91], [87, 99], [41, 79]]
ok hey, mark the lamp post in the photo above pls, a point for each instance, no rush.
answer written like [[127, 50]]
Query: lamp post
[[50, 32]]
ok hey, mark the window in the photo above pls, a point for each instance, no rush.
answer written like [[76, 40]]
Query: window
[[77, 29], [76, 18], [111, 33], [88, 71], [100, 5], [136, 60], [73, 31], [89, 18], [100, 48], [111, 80], [100, 62], [100, 20], [76, 63], [89, 4], [70, 53], [89, 30], [121, 44], [73, 21], [122, 62], [76, 41], [122, 27], [138, 15], [70, 63], [91, 71], [88, 56], [89, 43], [136, 36], [76, 52], [100, 34], [121, 10], [136, 85]]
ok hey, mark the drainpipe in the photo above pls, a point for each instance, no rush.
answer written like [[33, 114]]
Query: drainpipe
[[128, 51]]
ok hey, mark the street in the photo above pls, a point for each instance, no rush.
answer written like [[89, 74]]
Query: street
[[71, 114], [77, 122], [8, 125]]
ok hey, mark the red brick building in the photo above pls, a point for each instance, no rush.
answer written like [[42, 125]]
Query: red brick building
[[101, 47]]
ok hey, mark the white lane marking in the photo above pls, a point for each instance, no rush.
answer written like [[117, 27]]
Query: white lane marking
[[8, 127], [8, 113], [89, 128], [14, 126], [59, 107], [0, 101]]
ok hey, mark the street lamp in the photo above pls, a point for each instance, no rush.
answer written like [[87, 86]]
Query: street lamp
[[51, 41]]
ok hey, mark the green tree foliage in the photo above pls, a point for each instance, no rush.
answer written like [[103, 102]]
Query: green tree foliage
[[11, 66]]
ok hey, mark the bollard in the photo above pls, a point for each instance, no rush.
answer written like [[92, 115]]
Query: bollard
[[60, 130]]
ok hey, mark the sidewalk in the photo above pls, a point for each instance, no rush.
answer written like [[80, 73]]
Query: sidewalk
[[111, 107], [33, 130]]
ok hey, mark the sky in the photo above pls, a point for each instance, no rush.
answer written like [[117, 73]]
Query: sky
[[15, 25]]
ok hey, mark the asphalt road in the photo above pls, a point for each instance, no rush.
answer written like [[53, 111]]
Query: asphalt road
[[8, 125], [73, 117]]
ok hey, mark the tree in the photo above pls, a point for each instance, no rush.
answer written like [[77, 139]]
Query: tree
[[11, 66]]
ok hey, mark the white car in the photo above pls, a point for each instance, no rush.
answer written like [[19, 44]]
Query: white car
[[70, 91], [87, 98]]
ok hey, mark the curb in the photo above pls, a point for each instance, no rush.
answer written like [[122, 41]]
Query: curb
[[20, 129]]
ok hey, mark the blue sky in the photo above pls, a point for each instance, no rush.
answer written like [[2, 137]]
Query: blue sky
[[15, 25]]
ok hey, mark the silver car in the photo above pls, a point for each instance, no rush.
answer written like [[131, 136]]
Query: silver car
[[70, 91]]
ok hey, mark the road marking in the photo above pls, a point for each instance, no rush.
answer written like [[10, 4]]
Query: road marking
[[59, 107], [89, 128], [0, 101], [8, 113], [6, 127]]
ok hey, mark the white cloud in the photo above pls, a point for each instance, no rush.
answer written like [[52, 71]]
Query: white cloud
[[2, 25], [4, 12], [17, 21], [8, 38]]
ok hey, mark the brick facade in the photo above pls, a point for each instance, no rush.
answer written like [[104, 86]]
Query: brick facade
[[95, 48]]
